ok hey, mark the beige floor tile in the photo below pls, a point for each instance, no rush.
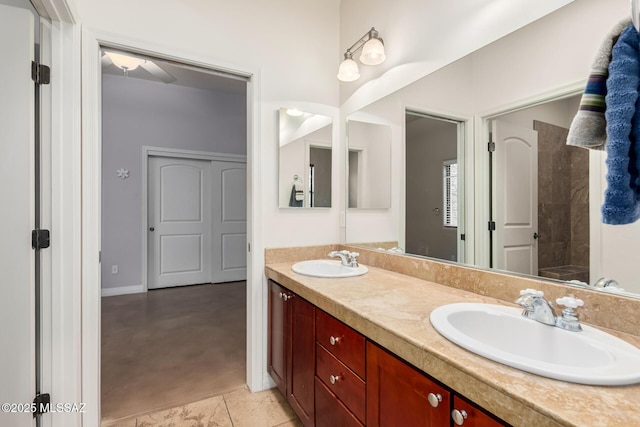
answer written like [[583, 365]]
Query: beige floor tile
[[292, 423], [129, 422], [205, 413], [264, 409]]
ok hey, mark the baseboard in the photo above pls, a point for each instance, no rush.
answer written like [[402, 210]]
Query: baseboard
[[122, 290]]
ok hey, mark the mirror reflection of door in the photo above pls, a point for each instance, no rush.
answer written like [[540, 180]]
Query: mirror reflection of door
[[561, 238], [319, 177], [433, 177]]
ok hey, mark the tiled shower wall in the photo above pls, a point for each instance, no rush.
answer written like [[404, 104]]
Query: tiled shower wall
[[563, 200]]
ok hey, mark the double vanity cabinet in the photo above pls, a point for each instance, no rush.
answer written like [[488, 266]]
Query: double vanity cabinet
[[334, 376]]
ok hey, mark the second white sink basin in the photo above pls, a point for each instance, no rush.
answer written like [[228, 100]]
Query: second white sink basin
[[327, 268], [501, 334]]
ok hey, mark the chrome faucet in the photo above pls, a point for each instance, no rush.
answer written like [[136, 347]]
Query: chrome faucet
[[348, 259], [536, 307], [539, 309]]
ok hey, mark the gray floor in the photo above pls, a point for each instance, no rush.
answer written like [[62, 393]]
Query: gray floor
[[169, 347]]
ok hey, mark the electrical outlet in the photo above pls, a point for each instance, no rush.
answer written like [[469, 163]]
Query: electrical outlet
[[114, 269]]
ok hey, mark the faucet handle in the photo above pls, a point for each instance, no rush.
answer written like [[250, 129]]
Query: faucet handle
[[569, 319], [570, 302], [354, 254], [531, 292]]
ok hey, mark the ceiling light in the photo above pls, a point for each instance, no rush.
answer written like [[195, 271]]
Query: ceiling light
[[372, 54], [125, 62]]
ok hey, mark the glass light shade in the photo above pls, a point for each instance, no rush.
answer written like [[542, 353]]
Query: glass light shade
[[124, 61], [348, 71], [294, 112], [373, 52]]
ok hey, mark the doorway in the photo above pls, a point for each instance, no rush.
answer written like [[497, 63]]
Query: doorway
[[174, 195], [546, 231], [434, 192]]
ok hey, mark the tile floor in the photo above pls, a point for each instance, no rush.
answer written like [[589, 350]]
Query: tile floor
[[240, 408]]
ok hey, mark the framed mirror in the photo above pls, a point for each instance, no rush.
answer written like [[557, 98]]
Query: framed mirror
[[369, 165], [504, 82], [305, 157]]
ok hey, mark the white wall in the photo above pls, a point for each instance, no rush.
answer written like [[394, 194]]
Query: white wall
[[140, 112], [253, 35], [374, 143]]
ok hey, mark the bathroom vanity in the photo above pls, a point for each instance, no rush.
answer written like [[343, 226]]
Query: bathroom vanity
[[351, 351]]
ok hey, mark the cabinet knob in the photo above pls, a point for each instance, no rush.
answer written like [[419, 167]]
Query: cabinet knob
[[282, 296], [333, 379], [334, 340], [459, 416], [434, 399]]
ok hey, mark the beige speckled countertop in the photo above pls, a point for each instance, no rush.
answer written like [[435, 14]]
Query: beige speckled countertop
[[393, 310]]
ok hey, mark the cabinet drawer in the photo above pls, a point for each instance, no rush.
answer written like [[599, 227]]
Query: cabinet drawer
[[349, 388], [330, 412], [348, 345]]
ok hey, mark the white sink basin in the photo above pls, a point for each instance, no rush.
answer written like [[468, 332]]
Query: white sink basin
[[501, 334], [327, 268]]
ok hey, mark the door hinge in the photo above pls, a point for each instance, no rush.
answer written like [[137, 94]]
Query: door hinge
[[42, 404], [249, 246], [491, 146], [492, 226], [41, 74], [463, 236], [40, 239]]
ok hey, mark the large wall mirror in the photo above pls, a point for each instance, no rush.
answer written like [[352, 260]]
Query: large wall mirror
[[530, 207], [304, 159], [369, 165]]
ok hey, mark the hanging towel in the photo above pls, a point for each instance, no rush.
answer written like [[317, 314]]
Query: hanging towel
[[622, 196], [293, 198], [588, 128]]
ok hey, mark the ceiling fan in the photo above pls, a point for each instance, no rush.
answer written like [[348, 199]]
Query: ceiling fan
[[129, 62]]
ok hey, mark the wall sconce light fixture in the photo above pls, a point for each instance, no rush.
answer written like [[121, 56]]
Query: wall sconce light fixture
[[372, 54]]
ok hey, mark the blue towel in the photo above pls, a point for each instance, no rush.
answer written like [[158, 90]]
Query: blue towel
[[622, 196]]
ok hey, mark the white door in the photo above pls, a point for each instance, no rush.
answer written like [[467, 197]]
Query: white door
[[17, 192], [515, 198], [229, 221], [179, 221]]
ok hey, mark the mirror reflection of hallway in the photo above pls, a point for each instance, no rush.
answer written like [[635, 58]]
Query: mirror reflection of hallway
[[162, 348], [433, 176]]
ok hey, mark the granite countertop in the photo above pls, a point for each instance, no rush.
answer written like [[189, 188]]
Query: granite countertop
[[393, 310]]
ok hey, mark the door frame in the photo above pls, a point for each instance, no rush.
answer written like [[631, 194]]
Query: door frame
[[176, 153], [92, 42], [482, 187]]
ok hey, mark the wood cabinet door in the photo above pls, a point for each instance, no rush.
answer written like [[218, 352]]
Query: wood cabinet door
[[398, 394], [277, 361], [476, 417], [301, 358], [330, 412]]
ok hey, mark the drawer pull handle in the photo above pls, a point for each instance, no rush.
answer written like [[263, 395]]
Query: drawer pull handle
[[334, 340], [434, 399], [333, 379], [459, 416]]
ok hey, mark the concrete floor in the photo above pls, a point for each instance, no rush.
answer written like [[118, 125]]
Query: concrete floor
[[169, 347]]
